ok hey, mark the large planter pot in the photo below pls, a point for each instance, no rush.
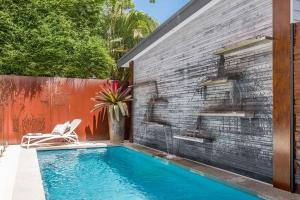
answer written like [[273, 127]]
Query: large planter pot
[[116, 130]]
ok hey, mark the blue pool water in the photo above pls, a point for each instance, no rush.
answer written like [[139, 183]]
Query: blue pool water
[[120, 173]]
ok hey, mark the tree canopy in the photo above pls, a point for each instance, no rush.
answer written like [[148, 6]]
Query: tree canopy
[[68, 38]]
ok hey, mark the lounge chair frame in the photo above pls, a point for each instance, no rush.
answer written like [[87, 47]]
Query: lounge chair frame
[[35, 140]]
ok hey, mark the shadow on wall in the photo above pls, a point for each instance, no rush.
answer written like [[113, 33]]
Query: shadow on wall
[[37, 104], [99, 126], [10, 86]]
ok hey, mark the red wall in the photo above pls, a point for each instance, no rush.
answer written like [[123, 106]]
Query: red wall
[[37, 104]]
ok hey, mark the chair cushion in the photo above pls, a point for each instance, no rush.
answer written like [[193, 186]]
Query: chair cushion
[[61, 129], [56, 128]]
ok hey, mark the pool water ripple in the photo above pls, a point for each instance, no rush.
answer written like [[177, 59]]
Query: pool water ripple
[[119, 173]]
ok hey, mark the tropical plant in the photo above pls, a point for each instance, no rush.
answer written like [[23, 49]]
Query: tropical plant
[[124, 27], [113, 99], [122, 74]]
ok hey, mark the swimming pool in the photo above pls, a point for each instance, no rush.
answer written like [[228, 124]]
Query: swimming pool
[[120, 173]]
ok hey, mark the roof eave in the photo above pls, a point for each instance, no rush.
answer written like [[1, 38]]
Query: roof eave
[[185, 12]]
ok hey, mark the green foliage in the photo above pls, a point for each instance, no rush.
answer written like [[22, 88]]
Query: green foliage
[[125, 27], [52, 38], [122, 74], [69, 38]]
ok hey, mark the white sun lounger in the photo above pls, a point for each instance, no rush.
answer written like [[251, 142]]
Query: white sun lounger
[[39, 138], [1, 150]]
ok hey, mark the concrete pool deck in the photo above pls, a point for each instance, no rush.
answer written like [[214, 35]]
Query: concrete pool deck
[[27, 182], [20, 177], [8, 167]]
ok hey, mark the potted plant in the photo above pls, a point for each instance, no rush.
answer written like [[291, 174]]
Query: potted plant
[[112, 99]]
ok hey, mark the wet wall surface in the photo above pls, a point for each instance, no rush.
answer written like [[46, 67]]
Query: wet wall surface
[[37, 104], [297, 103], [181, 61]]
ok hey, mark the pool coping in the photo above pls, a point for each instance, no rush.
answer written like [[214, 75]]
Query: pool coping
[[28, 182], [8, 167], [30, 169]]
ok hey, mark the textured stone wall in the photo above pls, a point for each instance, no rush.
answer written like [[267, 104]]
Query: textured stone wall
[[187, 57], [297, 104], [295, 11]]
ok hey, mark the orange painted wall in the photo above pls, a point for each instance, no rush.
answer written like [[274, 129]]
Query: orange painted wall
[[37, 104]]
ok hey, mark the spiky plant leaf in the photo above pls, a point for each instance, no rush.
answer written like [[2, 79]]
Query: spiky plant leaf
[[111, 112], [113, 99], [98, 106], [117, 112], [128, 98], [102, 113], [121, 106], [126, 109]]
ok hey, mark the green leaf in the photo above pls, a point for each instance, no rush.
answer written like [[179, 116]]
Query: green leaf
[[126, 109], [99, 106], [121, 106], [111, 112]]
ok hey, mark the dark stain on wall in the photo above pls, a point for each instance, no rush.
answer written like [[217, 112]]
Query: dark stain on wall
[[33, 124], [37, 104], [238, 144]]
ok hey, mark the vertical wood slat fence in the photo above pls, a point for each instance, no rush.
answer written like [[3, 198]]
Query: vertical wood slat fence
[[36, 104]]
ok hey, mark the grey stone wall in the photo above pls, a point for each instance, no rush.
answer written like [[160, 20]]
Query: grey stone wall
[[187, 57]]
